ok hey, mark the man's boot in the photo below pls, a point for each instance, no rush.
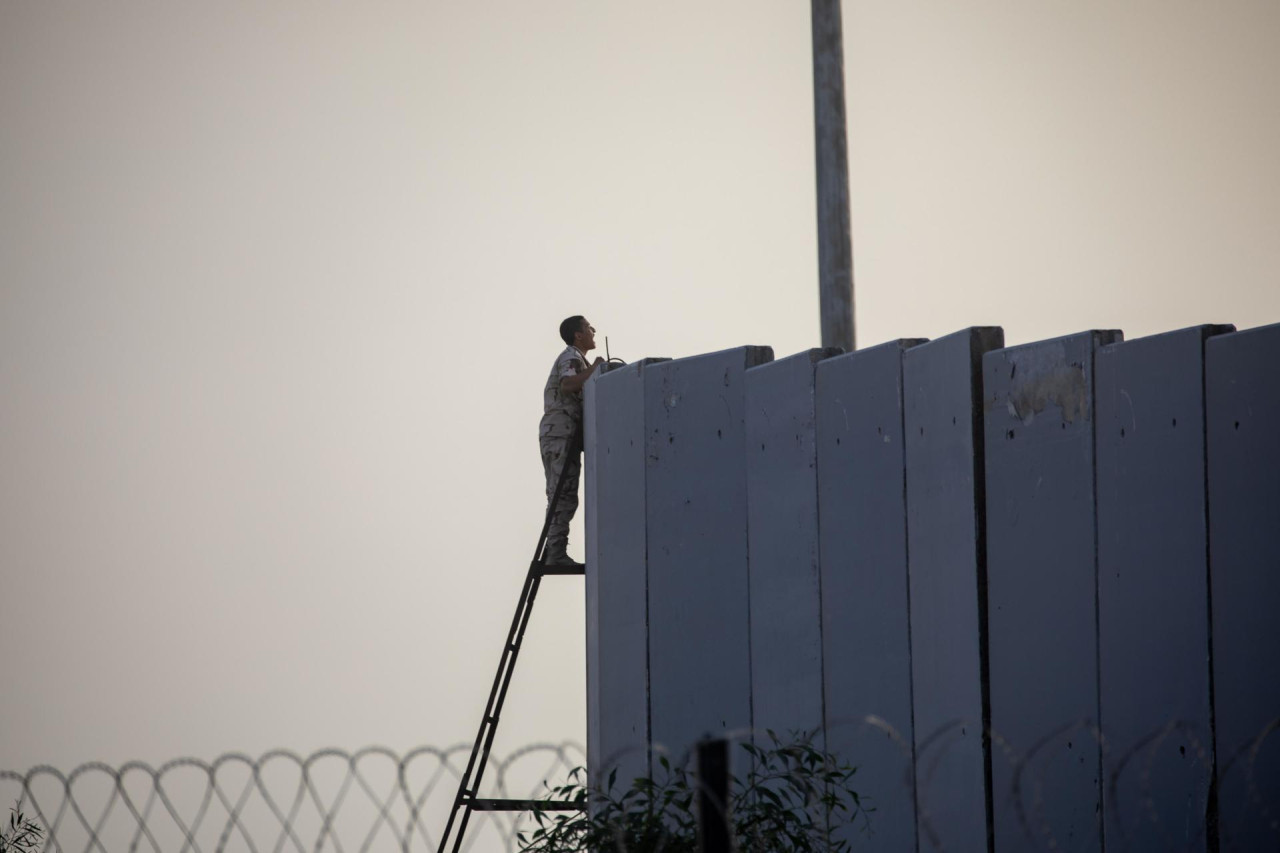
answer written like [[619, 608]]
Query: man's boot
[[557, 556]]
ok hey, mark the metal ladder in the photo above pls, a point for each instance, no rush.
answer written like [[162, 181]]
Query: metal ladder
[[466, 800]]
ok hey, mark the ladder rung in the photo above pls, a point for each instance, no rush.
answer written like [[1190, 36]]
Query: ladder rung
[[562, 570], [525, 805]]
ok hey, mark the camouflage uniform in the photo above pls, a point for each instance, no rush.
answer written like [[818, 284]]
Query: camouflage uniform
[[561, 418]]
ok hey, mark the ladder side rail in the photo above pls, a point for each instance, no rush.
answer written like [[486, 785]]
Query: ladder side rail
[[506, 677], [521, 606], [524, 608], [493, 722], [465, 781], [469, 783], [506, 665]]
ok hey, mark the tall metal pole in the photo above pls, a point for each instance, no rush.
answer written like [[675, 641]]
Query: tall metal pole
[[835, 249]]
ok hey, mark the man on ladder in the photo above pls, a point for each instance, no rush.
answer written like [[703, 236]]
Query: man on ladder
[[560, 436], [560, 431]]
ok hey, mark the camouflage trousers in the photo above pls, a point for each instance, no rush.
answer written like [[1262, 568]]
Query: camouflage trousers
[[556, 449]]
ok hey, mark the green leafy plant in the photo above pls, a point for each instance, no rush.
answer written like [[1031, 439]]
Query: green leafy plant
[[22, 835], [793, 798]]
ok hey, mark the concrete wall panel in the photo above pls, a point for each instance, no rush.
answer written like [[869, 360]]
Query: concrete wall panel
[[1243, 396], [616, 581], [782, 547], [1153, 591], [943, 418], [863, 558], [593, 546], [696, 508], [1042, 591]]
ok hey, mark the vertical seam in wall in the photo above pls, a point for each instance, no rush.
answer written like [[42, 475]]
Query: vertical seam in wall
[[644, 504], [1211, 807], [749, 360], [978, 436], [746, 536], [817, 564], [1094, 343], [906, 561], [817, 561]]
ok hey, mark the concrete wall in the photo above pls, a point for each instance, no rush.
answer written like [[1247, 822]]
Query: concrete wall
[[943, 393], [1153, 585], [1242, 389], [1030, 591], [696, 512], [1042, 590], [618, 580], [863, 561], [785, 603]]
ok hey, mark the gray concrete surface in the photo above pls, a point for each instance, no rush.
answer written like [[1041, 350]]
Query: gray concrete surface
[[782, 547], [863, 558], [1042, 591], [1153, 591], [696, 511], [981, 552], [1243, 399], [943, 417], [617, 574]]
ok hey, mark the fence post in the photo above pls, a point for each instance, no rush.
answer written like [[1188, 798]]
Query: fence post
[[713, 796]]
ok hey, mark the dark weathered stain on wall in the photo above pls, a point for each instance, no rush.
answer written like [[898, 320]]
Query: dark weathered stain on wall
[[1064, 387], [1039, 378]]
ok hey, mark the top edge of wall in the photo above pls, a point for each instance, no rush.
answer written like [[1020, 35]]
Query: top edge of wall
[[812, 356], [1099, 337], [1205, 331], [871, 353], [1258, 331], [752, 355], [980, 340], [636, 366]]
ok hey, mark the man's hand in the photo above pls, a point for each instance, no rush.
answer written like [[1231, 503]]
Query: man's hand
[[573, 384]]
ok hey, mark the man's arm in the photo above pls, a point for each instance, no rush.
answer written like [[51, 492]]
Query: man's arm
[[573, 384]]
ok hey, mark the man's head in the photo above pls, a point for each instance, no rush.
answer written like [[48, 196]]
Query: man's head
[[577, 332]]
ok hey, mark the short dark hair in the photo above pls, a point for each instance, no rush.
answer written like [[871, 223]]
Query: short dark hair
[[571, 326]]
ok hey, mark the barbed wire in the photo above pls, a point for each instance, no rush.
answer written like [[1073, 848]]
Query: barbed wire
[[374, 799], [331, 800], [1130, 785]]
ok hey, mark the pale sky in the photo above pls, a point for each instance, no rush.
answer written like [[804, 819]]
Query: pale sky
[[279, 288]]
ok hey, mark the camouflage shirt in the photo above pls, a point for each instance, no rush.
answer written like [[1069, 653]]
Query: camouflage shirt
[[562, 410]]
